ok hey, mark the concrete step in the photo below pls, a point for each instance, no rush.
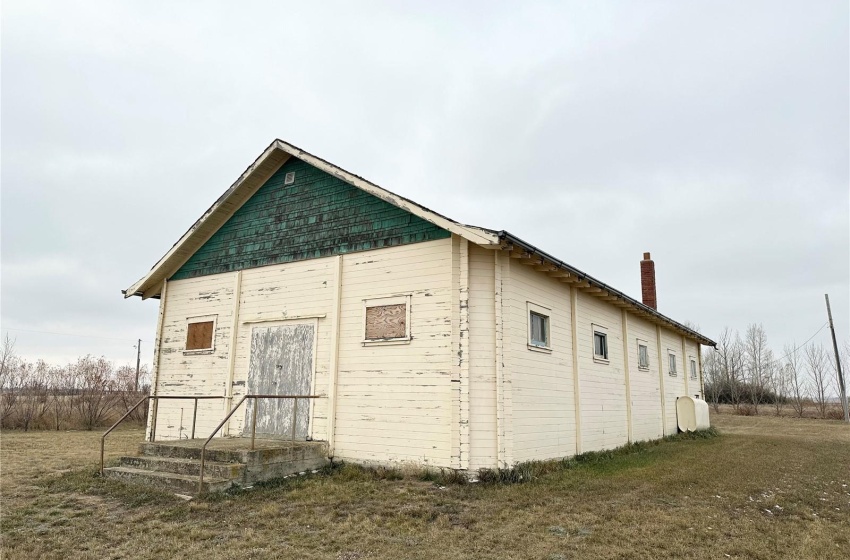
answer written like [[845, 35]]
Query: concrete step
[[268, 453], [189, 467], [171, 482], [175, 465]]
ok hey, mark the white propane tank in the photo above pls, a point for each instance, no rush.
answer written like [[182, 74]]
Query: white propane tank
[[692, 414]]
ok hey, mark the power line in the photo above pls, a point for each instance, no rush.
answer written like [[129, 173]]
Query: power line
[[795, 350], [798, 348], [72, 334]]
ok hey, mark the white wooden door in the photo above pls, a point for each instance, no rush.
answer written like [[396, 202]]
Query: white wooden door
[[281, 364]]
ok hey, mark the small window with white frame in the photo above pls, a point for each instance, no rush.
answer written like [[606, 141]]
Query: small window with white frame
[[643, 354], [539, 331], [386, 320], [671, 360], [694, 370], [600, 343], [200, 334]]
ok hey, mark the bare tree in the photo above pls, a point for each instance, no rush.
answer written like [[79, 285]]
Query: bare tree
[[779, 383], [33, 402], [62, 386], [817, 363], [757, 356], [125, 380], [798, 387], [10, 380], [724, 351], [730, 354], [94, 400], [714, 380]]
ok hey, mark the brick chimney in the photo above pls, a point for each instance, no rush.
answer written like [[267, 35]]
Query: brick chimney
[[647, 281]]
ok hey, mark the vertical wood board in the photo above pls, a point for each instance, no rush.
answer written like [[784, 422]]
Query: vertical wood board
[[281, 364]]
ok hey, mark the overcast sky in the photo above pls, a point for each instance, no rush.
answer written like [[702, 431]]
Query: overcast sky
[[713, 134]]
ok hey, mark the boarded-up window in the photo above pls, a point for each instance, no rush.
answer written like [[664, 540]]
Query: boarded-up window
[[199, 336], [386, 321]]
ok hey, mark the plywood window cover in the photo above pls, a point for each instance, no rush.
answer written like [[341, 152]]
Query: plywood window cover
[[394, 304], [546, 313], [599, 329], [645, 344], [201, 319]]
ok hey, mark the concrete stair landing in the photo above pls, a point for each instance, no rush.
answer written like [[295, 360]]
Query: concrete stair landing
[[176, 465]]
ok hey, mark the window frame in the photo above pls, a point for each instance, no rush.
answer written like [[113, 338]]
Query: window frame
[[602, 330], [645, 344], [200, 319], [546, 313], [674, 370], [694, 369], [404, 299]]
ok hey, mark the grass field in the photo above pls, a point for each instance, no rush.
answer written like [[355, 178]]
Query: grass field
[[766, 488]]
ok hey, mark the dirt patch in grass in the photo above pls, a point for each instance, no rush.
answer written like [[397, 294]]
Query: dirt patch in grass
[[760, 490]]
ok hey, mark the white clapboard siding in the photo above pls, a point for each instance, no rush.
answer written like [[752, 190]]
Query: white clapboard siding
[[394, 401], [541, 389], [604, 423], [644, 383], [674, 385], [482, 360], [187, 373], [434, 399]]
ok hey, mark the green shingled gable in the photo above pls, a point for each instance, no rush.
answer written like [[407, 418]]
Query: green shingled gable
[[318, 215]]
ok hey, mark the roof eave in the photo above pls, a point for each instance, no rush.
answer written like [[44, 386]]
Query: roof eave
[[244, 187], [509, 240]]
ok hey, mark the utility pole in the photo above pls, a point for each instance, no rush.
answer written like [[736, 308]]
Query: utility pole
[[837, 363], [139, 361]]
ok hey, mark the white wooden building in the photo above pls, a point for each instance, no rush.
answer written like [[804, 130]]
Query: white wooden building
[[429, 341]]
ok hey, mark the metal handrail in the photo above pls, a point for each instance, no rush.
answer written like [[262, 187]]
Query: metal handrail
[[253, 425], [153, 420]]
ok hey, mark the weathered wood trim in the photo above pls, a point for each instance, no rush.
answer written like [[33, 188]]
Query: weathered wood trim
[[576, 385], [157, 352], [475, 235], [464, 353], [454, 385], [627, 373], [333, 374], [686, 366], [500, 362], [699, 365], [661, 361], [234, 337], [312, 402], [251, 180], [233, 198], [284, 318], [507, 360]]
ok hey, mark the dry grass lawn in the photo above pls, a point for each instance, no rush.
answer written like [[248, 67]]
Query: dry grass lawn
[[766, 488]]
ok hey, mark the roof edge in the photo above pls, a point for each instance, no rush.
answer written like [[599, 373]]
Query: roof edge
[[148, 285], [507, 237]]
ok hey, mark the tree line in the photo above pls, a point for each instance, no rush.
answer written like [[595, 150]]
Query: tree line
[[744, 372], [88, 393]]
